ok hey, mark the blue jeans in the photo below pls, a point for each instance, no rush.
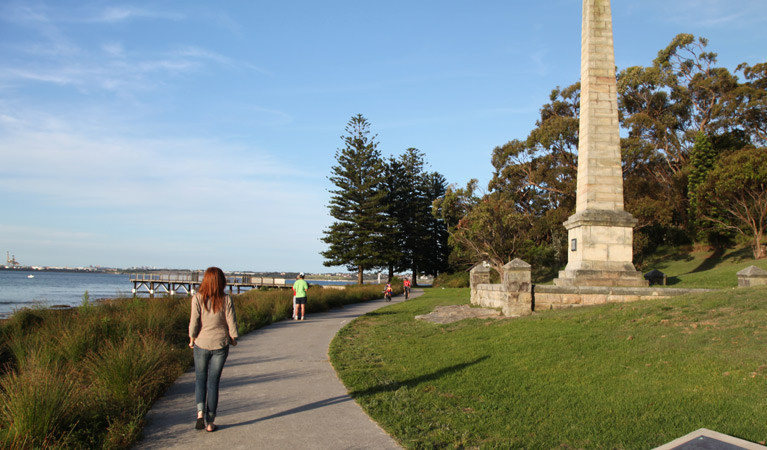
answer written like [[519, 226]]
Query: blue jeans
[[208, 365]]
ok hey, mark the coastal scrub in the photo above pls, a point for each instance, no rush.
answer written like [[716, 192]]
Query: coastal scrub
[[85, 377]]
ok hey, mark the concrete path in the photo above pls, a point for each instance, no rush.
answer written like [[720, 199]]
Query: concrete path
[[278, 391]]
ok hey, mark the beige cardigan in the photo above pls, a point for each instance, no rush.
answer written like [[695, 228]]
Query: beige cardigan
[[212, 331]]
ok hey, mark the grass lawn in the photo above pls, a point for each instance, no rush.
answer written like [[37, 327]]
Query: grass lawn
[[685, 267], [618, 376]]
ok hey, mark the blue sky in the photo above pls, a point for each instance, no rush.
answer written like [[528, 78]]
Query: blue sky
[[186, 134]]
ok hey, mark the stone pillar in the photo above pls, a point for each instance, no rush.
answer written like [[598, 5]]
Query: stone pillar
[[517, 276], [479, 274], [752, 276], [517, 282], [600, 233]]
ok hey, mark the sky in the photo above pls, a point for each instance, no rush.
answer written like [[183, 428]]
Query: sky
[[187, 134]]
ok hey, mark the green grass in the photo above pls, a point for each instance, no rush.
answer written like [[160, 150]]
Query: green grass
[[85, 378], [618, 376], [686, 267]]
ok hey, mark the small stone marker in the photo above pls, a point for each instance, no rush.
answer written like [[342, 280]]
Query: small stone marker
[[704, 439], [655, 276], [752, 276]]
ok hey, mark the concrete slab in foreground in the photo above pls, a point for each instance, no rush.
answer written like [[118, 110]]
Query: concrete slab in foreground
[[704, 439]]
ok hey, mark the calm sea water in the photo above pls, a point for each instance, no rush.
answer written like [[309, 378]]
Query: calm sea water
[[64, 288], [57, 288]]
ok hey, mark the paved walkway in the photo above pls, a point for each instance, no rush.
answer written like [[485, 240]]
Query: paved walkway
[[278, 391]]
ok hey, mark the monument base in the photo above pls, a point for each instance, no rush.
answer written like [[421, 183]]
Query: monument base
[[624, 278], [600, 250]]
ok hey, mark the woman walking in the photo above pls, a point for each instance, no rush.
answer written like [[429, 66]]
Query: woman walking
[[212, 328]]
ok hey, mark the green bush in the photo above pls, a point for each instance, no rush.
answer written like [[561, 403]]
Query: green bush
[[36, 405], [124, 371], [452, 280]]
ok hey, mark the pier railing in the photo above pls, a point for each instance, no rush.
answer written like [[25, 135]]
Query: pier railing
[[172, 283]]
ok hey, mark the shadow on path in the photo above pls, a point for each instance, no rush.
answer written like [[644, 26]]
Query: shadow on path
[[299, 409]]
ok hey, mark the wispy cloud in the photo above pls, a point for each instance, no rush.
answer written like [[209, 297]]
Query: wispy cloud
[[113, 68], [53, 53], [131, 185], [126, 13], [92, 171], [113, 49]]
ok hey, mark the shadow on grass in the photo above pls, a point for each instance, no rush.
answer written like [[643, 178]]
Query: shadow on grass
[[740, 255], [720, 255], [390, 387], [381, 313], [713, 260], [670, 281]]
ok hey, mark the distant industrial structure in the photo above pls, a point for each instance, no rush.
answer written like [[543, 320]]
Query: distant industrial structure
[[10, 260]]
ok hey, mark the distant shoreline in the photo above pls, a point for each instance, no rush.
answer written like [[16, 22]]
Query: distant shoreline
[[59, 269], [285, 275]]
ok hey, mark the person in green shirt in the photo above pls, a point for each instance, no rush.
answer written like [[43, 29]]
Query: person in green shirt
[[299, 290]]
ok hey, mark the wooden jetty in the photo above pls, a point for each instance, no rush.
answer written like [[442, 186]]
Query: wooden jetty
[[188, 283]]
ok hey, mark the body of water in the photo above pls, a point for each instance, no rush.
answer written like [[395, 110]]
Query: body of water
[[47, 289], [17, 290]]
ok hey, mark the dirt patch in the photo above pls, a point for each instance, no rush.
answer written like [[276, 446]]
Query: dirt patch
[[454, 313]]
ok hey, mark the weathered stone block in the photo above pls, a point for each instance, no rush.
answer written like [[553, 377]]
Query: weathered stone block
[[752, 276], [479, 274]]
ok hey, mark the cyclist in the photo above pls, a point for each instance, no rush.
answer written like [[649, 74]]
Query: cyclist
[[387, 292]]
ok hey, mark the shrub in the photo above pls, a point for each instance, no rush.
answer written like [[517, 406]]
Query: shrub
[[85, 377], [36, 405], [124, 371], [452, 280]]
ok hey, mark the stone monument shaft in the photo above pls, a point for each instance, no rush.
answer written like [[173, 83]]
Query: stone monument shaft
[[600, 176], [600, 233]]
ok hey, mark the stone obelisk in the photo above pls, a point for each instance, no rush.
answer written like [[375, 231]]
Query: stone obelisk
[[600, 233]]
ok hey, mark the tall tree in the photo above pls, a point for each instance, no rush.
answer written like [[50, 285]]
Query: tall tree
[[435, 259], [419, 241], [358, 238], [702, 160], [450, 208], [734, 196], [495, 230], [752, 113]]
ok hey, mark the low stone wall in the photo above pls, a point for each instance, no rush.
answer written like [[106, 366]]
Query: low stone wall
[[517, 296], [557, 297], [512, 296], [489, 295]]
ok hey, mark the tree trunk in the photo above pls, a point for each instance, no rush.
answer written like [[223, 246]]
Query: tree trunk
[[391, 272], [414, 281], [760, 250], [360, 280]]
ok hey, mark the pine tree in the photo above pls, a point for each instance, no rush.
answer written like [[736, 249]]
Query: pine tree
[[702, 159], [436, 261], [359, 237], [420, 239]]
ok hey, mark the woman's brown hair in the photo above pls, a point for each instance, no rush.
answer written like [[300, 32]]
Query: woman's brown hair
[[212, 289]]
